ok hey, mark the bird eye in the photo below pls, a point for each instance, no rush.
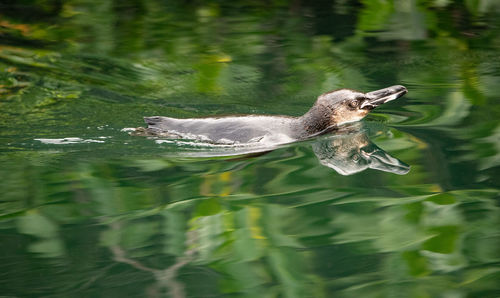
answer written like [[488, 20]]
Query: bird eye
[[353, 104]]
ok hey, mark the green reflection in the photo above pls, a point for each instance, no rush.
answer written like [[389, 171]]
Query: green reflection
[[102, 213]]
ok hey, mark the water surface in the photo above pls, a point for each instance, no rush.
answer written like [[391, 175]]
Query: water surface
[[88, 210]]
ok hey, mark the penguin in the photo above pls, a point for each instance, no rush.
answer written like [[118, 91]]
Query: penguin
[[330, 111]]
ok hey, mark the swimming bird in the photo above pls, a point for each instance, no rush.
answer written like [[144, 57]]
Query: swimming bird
[[330, 111]]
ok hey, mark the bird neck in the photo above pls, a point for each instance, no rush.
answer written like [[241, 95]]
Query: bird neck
[[317, 119]]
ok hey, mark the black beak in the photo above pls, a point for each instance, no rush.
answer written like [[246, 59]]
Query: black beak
[[378, 97], [382, 161]]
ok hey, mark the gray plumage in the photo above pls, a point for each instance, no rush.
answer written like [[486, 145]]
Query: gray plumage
[[330, 110]]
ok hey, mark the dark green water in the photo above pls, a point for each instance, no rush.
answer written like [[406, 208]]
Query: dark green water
[[86, 210]]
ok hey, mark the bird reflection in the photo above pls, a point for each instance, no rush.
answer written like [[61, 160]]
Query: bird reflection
[[346, 149], [352, 153]]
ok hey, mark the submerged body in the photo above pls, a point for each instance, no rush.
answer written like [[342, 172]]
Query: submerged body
[[330, 110], [226, 130]]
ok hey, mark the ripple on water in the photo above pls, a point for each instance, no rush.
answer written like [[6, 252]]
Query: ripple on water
[[71, 140]]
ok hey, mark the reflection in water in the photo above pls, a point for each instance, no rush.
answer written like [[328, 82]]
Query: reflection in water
[[353, 153], [347, 151], [107, 214], [165, 278]]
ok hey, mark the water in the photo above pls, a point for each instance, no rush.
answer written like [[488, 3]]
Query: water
[[404, 205]]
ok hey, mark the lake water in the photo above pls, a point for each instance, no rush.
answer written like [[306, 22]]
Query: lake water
[[404, 205]]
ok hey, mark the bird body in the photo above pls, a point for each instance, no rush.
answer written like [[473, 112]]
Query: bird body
[[331, 110]]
